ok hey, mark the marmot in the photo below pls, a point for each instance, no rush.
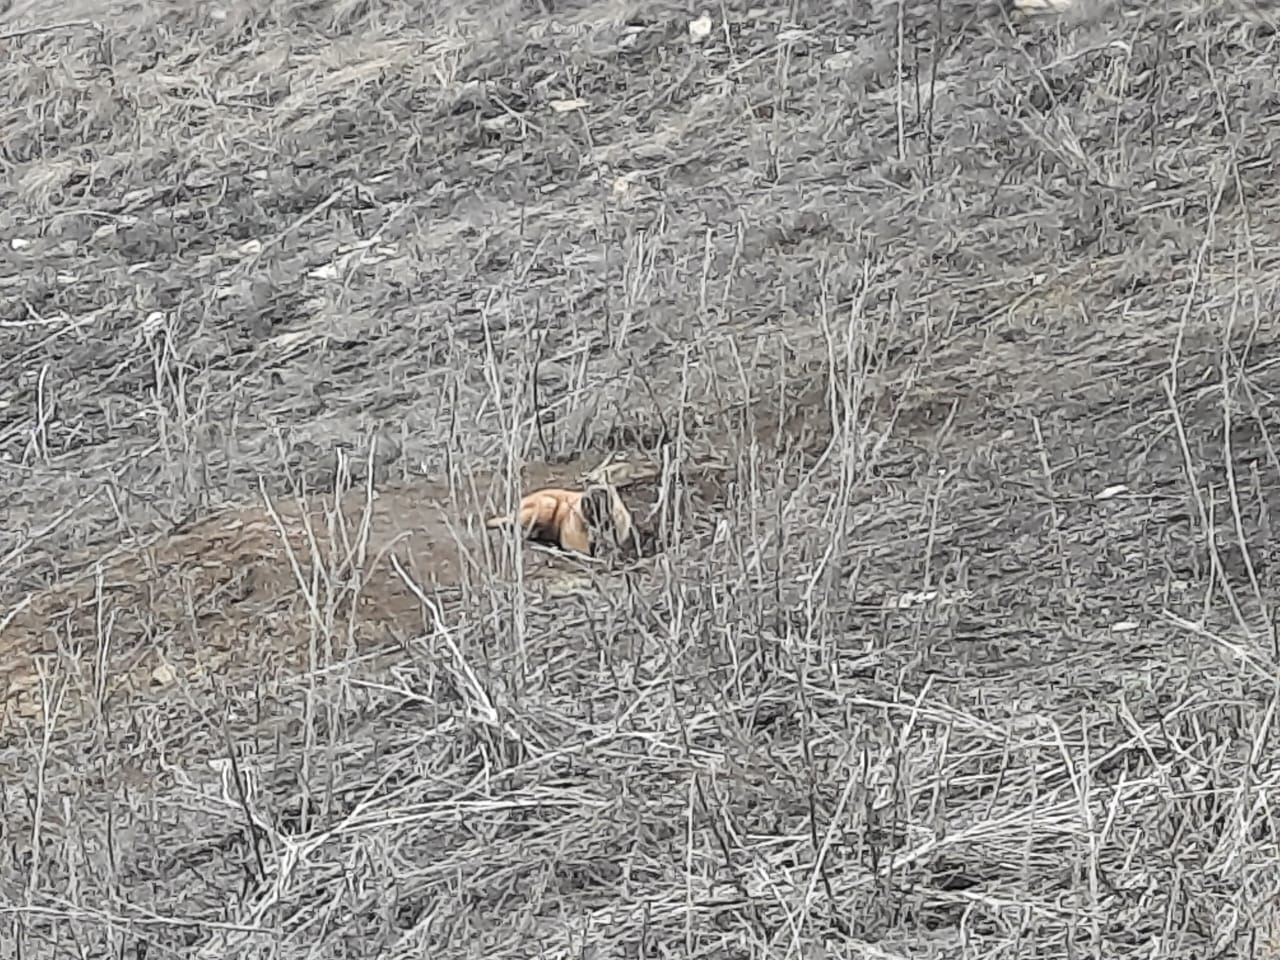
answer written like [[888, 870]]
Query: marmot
[[576, 520]]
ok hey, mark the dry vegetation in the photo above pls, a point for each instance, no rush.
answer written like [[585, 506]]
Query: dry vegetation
[[953, 332]]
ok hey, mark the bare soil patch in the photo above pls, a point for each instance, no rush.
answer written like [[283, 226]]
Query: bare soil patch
[[256, 583], [950, 331]]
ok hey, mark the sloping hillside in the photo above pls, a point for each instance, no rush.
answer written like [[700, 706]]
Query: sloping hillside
[[952, 334]]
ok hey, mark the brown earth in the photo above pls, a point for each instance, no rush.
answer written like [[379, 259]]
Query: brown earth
[[251, 584], [949, 334]]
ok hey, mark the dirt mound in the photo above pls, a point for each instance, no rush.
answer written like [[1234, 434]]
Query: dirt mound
[[254, 583], [232, 590]]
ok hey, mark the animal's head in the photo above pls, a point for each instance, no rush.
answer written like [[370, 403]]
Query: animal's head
[[608, 520]]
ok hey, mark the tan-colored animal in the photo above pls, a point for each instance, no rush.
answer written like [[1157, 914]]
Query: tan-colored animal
[[552, 515], [576, 520]]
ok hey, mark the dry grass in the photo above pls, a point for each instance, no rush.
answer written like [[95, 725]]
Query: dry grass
[[954, 335]]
